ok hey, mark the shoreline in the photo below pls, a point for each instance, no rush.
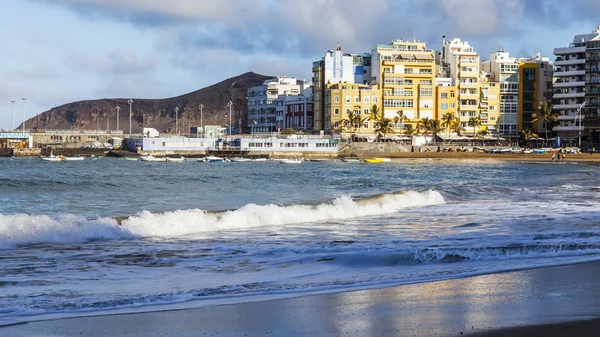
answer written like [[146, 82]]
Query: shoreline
[[548, 301]]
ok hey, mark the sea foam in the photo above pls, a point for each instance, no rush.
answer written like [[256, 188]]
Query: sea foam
[[23, 229]]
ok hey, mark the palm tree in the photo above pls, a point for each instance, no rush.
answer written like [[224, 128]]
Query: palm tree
[[450, 122], [400, 118], [353, 120], [375, 111], [544, 114], [475, 122], [424, 126], [384, 126], [435, 128], [482, 133], [410, 130]]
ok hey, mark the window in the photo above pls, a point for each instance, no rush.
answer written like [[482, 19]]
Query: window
[[452, 105], [356, 99], [444, 106], [374, 99], [451, 94], [444, 95], [426, 92], [366, 111], [366, 125], [336, 125], [347, 99], [357, 112], [366, 99], [336, 99], [336, 111]]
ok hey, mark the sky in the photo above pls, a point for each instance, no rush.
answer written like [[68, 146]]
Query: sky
[[60, 51]]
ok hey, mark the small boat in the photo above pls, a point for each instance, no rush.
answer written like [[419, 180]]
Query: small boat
[[373, 160], [52, 157], [320, 159], [259, 159], [130, 158], [151, 158], [290, 161], [350, 160], [213, 159], [175, 159], [240, 160], [75, 158]]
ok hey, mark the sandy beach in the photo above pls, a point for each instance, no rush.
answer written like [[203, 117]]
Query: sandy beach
[[482, 156], [553, 301]]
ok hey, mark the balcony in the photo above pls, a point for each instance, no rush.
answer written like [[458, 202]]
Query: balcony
[[566, 106], [569, 50], [569, 73], [468, 107], [570, 117], [579, 94], [569, 62], [569, 84], [568, 128]]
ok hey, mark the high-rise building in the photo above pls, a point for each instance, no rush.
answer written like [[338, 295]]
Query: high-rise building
[[535, 87], [461, 63], [336, 67], [575, 79], [405, 72], [504, 69]]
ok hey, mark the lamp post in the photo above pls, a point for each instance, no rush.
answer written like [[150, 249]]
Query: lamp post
[[13, 114], [118, 108], [143, 124], [130, 101], [202, 126], [579, 113], [24, 100], [176, 118], [230, 104]]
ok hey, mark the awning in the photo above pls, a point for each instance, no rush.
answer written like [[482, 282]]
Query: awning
[[407, 56], [424, 56], [451, 136]]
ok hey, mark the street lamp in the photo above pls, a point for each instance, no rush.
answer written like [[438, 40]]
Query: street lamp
[[13, 114], [118, 108], [579, 113], [176, 118], [24, 100], [201, 106], [130, 101], [230, 104]]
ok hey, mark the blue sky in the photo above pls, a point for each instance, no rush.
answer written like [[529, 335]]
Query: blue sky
[[59, 51]]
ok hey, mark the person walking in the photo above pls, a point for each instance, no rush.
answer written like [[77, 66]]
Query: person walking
[[553, 156]]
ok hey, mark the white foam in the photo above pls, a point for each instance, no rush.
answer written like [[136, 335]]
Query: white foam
[[66, 228], [186, 222]]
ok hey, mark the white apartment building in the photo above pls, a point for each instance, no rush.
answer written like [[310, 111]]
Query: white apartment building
[[461, 63], [570, 86], [262, 112], [504, 69]]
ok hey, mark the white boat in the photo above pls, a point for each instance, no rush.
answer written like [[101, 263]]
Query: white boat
[[75, 158], [175, 159], [213, 159], [151, 158], [240, 160], [259, 159], [52, 157], [350, 160], [290, 161]]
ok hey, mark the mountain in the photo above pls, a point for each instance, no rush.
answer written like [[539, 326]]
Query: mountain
[[155, 113]]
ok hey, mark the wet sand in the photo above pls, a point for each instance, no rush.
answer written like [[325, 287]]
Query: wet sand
[[532, 301]]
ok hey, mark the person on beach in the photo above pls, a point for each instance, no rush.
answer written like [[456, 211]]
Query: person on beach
[[553, 155]]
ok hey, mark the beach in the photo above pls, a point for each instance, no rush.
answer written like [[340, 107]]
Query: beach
[[552, 301]]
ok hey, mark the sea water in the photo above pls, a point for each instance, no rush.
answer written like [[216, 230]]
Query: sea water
[[193, 232]]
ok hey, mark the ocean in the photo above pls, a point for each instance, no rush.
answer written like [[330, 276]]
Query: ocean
[[194, 233]]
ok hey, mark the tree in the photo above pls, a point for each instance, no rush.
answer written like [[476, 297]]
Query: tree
[[424, 126], [475, 122], [384, 126], [434, 127], [482, 133], [528, 133], [544, 114], [450, 122], [410, 130], [353, 120], [400, 118]]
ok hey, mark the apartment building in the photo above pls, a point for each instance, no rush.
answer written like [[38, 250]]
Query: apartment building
[[358, 99], [405, 72], [461, 63], [262, 112], [504, 69], [535, 87], [295, 111], [592, 90]]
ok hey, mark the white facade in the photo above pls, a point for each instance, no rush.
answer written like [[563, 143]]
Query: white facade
[[570, 83], [262, 112], [339, 67], [300, 144], [504, 69]]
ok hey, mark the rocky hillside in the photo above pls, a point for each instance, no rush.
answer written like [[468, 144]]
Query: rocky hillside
[[156, 113]]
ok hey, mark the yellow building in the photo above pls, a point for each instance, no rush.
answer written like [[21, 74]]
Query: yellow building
[[405, 71], [357, 99], [447, 101], [490, 106]]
